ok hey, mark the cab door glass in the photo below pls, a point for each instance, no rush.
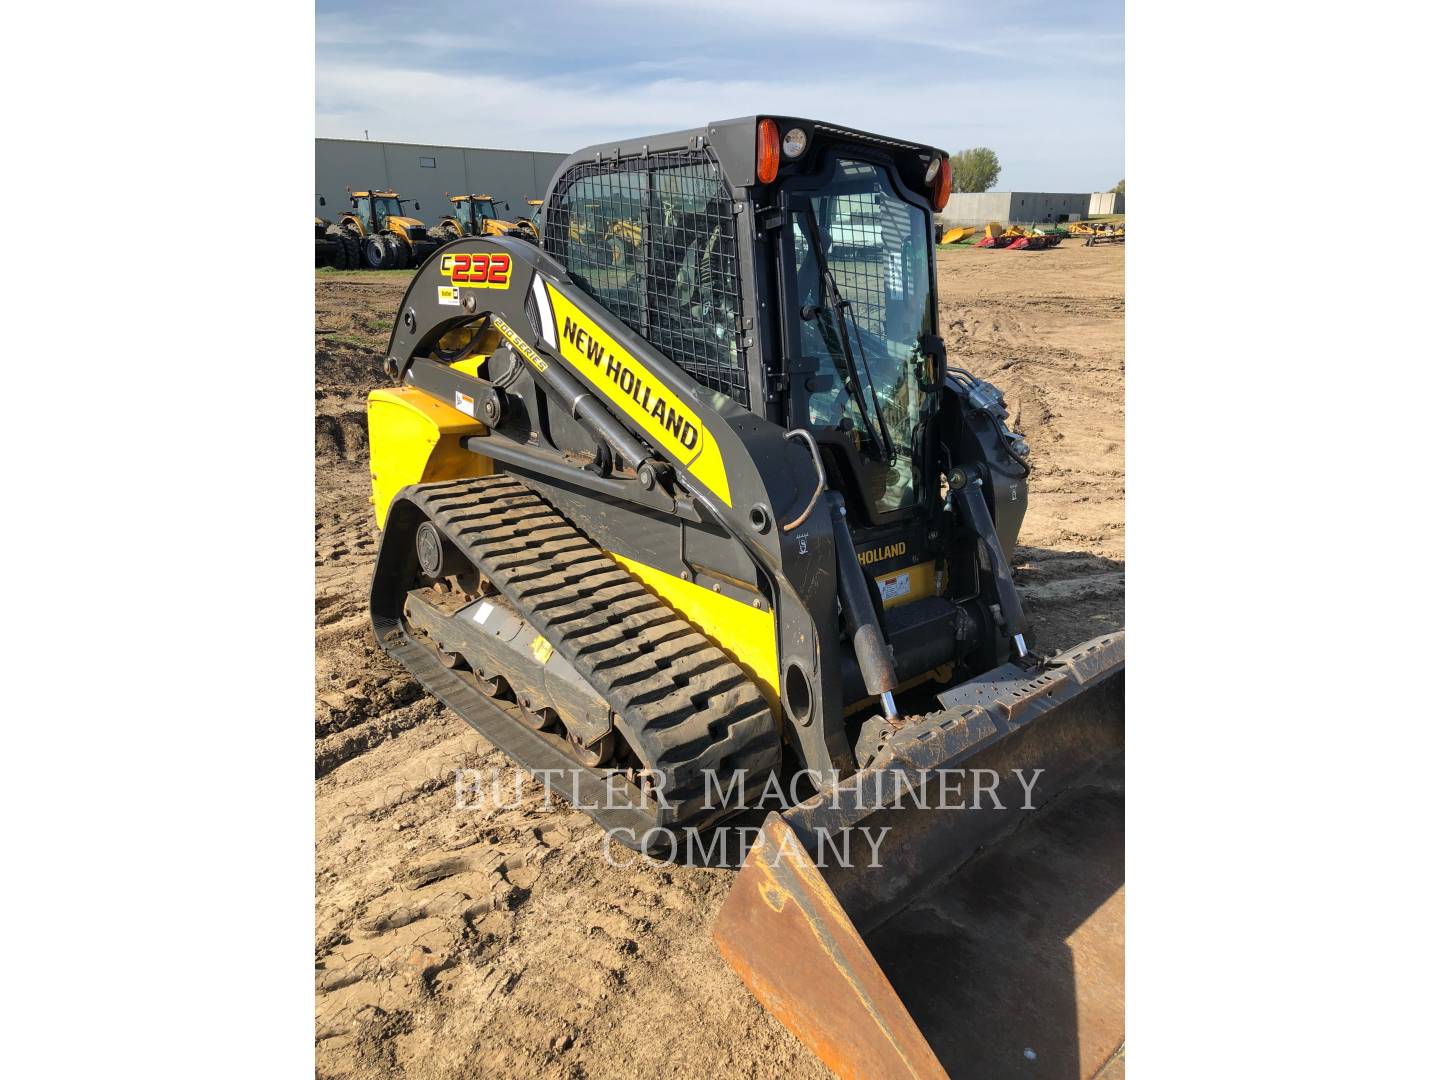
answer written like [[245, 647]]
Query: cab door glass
[[877, 252]]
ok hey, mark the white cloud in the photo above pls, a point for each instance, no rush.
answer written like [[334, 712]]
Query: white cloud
[[1044, 133], [1051, 106]]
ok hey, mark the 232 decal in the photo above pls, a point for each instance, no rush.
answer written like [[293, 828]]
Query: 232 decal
[[477, 270]]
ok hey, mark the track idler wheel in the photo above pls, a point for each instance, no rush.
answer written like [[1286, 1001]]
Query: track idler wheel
[[429, 549], [439, 561]]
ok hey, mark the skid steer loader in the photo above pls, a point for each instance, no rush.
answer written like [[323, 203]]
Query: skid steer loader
[[674, 522]]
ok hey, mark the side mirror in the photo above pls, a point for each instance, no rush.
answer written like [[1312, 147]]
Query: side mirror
[[507, 206], [417, 206], [322, 200]]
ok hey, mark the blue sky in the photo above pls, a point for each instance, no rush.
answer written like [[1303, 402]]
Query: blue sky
[[1041, 84]]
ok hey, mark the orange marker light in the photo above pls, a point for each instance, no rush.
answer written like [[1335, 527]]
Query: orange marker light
[[767, 151], [940, 191]]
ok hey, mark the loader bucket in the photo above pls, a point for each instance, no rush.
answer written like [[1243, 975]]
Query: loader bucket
[[982, 934]]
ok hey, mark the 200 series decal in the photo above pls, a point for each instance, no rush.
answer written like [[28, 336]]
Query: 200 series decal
[[477, 270], [519, 344]]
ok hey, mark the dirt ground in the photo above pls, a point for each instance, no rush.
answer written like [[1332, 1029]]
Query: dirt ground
[[499, 942]]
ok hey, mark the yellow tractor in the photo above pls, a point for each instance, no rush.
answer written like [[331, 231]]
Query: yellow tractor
[[388, 239], [476, 215], [725, 531]]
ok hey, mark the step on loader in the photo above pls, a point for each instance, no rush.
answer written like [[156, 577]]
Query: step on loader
[[684, 506]]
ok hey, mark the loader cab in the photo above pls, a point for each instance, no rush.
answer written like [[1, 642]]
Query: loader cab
[[473, 211], [376, 209], [805, 296], [653, 238], [849, 221]]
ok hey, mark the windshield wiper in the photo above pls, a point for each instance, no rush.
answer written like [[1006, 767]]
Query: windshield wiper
[[839, 305]]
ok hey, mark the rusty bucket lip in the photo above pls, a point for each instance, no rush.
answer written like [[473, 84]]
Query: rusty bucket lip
[[797, 936], [780, 906], [986, 709]]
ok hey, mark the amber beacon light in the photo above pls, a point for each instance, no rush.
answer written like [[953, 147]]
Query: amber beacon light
[[767, 151]]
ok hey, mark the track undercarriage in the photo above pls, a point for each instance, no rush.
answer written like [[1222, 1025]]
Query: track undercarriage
[[544, 643]]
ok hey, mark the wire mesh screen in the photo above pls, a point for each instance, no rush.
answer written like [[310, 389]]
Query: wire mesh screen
[[653, 239], [869, 236]]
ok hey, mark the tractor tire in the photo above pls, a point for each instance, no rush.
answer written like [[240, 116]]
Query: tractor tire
[[357, 247], [399, 253], [349, 252], [376, 253], [347, 248]]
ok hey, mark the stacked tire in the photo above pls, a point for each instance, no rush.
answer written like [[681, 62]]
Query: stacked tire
[[384, 251], [347, 248]]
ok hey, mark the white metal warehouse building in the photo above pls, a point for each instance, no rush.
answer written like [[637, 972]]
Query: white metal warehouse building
[[1027, 207], [425, 173]]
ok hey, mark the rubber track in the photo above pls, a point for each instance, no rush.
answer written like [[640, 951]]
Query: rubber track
[[682, 703]]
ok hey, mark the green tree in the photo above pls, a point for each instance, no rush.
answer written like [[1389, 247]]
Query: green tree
[[1119, 189], [975, 169]]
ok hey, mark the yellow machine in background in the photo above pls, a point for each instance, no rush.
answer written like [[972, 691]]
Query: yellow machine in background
[[388, 239], [1099, 232], [477, 215], [1018, 238], [334, 245]]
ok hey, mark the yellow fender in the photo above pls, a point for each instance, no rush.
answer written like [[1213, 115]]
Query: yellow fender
[[415, 439]]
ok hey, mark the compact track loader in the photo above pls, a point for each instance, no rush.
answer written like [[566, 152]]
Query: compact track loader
[[677, 520]]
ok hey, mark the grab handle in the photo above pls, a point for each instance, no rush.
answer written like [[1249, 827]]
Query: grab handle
[[809, 441]]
